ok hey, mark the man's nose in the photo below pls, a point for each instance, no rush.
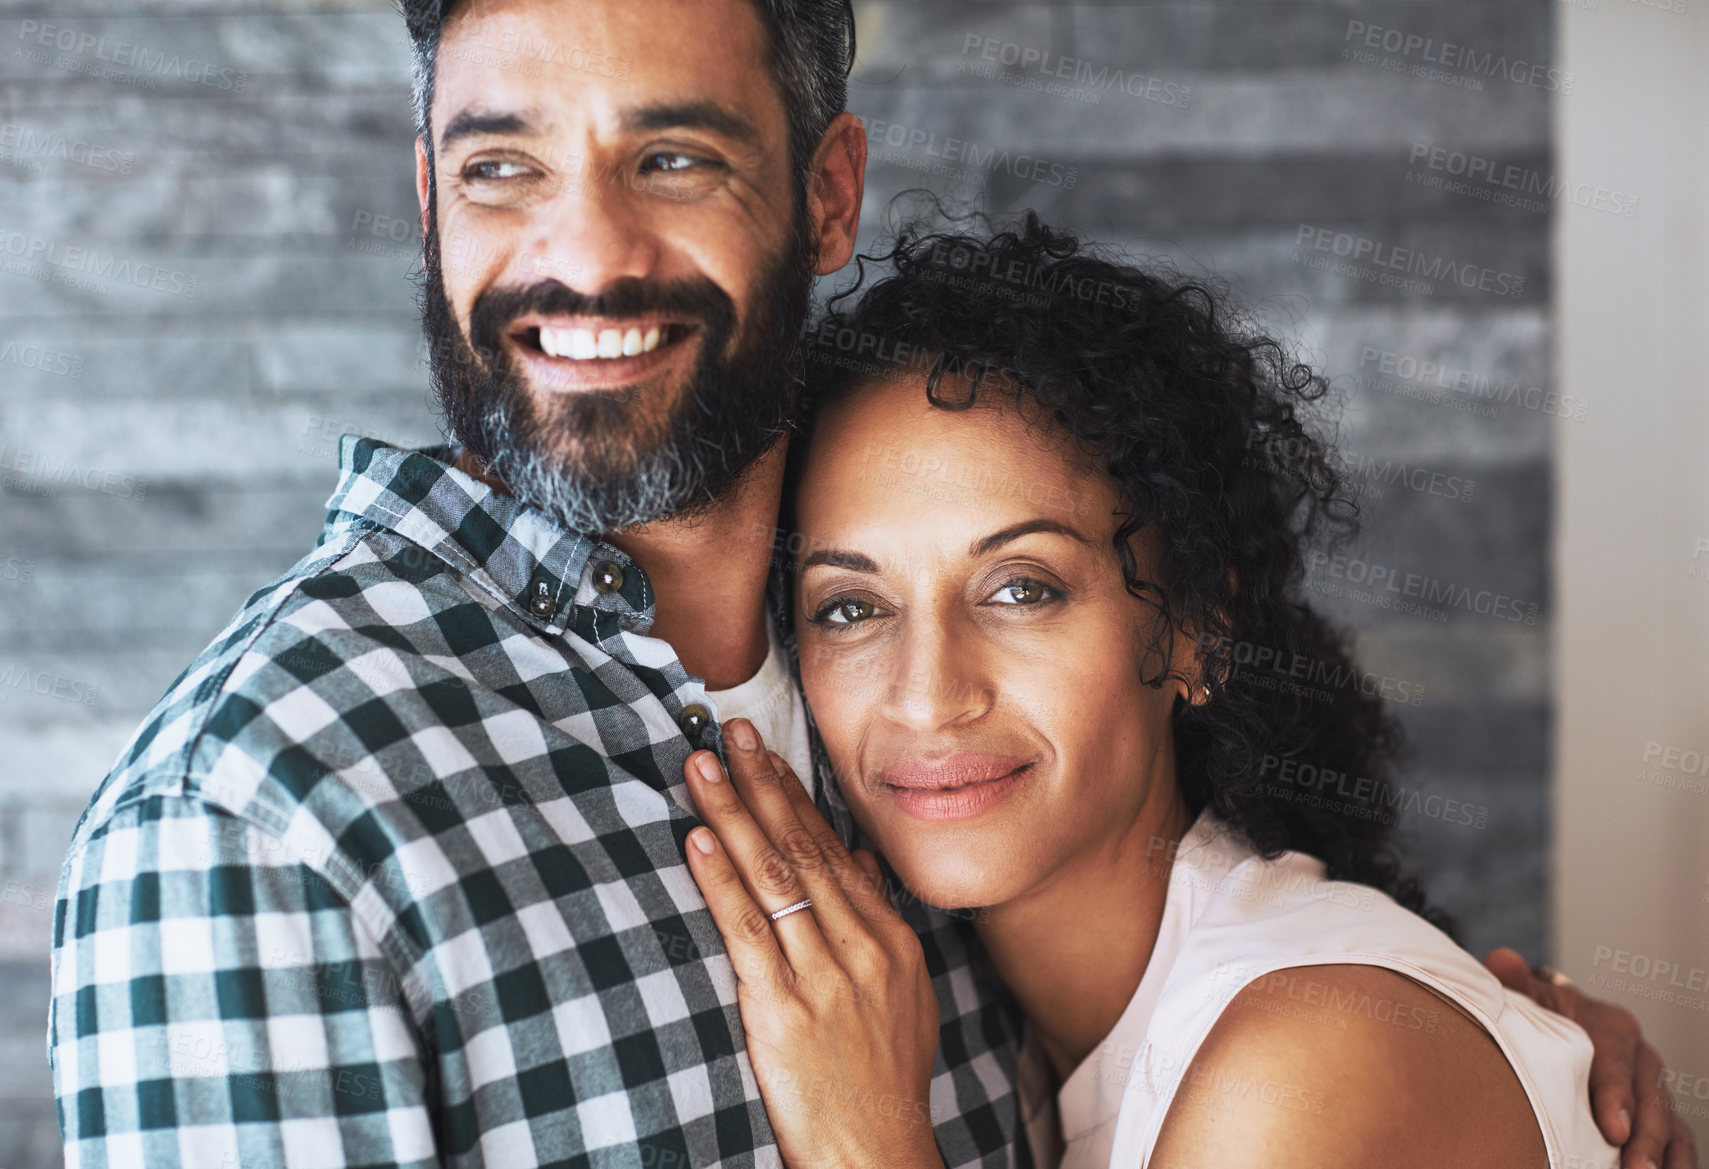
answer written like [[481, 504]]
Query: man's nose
[[590, 233]]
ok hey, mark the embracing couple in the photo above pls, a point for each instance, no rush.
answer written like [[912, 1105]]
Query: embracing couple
[[547, 813]]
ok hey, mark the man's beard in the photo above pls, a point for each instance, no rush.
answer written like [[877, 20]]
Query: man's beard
[[592, 459]]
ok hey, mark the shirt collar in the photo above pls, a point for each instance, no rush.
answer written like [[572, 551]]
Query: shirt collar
[[532, 564]]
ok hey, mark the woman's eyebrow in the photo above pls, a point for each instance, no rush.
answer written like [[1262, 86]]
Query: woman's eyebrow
[[836, 558], [1025, 528]]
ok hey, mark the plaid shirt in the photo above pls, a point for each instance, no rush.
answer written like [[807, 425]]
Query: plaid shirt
[[393, 875]]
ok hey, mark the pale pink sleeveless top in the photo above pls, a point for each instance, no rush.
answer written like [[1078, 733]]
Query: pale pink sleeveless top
[[1231, 918]]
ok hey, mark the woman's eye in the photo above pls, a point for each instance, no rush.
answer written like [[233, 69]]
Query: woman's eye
[[1023, 592], [845, 611]]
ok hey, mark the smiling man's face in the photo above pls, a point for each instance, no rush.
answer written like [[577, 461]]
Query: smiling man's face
[[619, 253]]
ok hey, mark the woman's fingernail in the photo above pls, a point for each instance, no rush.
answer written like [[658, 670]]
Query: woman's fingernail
[[1626, 1121], [777, 761], [702, 839], [742, 734], [708, 767]]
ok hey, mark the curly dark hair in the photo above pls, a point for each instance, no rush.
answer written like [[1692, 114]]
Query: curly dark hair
[[1202, 421]]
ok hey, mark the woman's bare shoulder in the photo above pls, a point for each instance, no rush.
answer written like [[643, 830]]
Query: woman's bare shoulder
[[1343, 1067]]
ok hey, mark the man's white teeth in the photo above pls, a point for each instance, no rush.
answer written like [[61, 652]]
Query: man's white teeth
[[584, 344]]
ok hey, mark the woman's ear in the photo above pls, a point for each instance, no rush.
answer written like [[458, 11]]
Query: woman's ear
[[1203, 667]]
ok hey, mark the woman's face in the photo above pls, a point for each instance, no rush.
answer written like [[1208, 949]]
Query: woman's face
[[968, 646]]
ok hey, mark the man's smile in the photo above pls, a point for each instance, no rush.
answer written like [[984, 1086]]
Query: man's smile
[[588, 352]]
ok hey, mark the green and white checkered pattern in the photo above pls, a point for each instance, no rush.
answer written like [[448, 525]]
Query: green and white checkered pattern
[[393, 876]]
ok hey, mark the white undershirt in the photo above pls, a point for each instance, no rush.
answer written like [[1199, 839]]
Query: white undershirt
[[771, 701]]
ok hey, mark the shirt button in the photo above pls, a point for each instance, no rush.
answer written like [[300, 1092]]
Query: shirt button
[[607, 577], [541, 603], [694, 721]]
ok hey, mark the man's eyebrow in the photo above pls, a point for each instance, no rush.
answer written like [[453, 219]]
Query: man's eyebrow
[[469, 123], [694, 115], [836, 558], [1025, 528]]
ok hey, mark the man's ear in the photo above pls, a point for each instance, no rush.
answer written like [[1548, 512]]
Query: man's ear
[[421, 177], [834, 190]]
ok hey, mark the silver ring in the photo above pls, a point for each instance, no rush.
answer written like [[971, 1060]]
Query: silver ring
[[1551, 975], [789, 909]]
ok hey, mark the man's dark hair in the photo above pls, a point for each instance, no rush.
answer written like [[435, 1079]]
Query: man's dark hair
[[812, 45], [1202, 422]]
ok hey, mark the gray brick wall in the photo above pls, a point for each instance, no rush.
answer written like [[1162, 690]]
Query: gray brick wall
[[170, 396]]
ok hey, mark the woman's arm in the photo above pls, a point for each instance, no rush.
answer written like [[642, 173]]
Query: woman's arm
[[841, 1018], [1280, 1087]]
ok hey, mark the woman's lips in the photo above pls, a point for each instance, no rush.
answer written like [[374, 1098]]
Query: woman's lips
[[955, 788]]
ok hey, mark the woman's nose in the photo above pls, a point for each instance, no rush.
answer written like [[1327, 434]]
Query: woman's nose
[[937, 681]]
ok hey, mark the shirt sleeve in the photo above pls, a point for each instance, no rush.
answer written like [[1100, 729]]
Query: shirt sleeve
[[217, 1004]]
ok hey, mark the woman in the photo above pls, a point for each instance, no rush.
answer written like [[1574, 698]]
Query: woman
[[1028, 566]]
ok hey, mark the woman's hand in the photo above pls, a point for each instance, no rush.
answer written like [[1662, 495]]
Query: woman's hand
[[841, 1017]]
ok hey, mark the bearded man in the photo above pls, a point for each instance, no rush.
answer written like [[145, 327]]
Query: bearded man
[[393, 874]]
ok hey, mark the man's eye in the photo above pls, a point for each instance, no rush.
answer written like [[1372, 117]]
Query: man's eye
[[845, 611], [494, 171], [1023, 591], [670, 161]]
